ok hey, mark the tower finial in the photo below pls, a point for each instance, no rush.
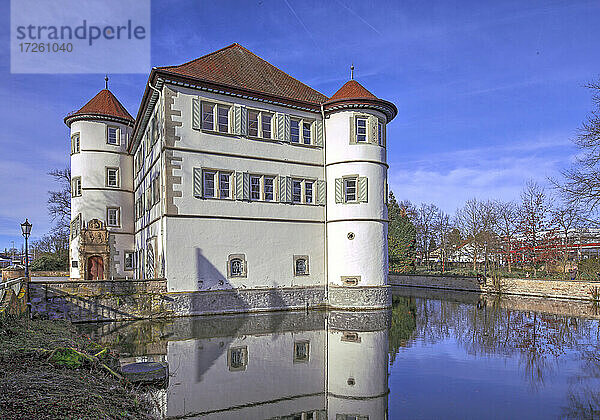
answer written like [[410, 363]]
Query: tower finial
[[352, 72], [106, 81]]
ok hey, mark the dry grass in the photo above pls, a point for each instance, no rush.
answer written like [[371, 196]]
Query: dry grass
[[35, 384]]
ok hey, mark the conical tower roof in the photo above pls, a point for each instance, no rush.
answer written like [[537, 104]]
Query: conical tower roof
[[354, 95], [102, 106]]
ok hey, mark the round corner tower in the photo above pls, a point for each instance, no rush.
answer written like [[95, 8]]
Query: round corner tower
[[101, 240], [356, 172]]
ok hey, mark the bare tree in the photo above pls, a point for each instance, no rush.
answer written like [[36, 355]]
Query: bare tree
[[475, 221], [581, 186], [59, 201], [533, 220], [507, 214], [442, 228], [567, 216], [425, 222]]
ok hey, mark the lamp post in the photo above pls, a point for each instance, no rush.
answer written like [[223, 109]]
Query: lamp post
[[26, 229]]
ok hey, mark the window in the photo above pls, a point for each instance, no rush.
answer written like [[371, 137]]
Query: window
[[223, 118], [76, 187], [209, 184], [112, 135], [295, 131], [236, 265], [306, 132], [254, 187], [207, 116], [266, 125], [296, 191], [216, 184], [301, 351], [268, 188], [253, 117], [113, 217], [380, 133], [156, 190], [361, 129], [75, 146], [308, 191], [224, 185], [112, 177], [300, 265], [128, 260], [349, 190], [237, 358]]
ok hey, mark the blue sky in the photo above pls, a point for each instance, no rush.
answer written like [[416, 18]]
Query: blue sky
[[490, 93]]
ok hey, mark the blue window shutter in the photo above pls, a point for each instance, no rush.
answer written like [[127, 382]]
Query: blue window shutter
[[196, 113], [198, 182]]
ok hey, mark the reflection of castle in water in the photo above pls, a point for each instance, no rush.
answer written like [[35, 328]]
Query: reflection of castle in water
[[295, 365]]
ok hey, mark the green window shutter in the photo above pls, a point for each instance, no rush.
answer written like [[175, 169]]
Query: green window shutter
[[287, 128], [372, 130], [244, 121], [282, 186], [196, 113], [237, 120], [321, 197], [246, 186], [339, 190], [198, 182], [319, 133], [352, 129], [363, 192], [239, 185], [280, 127], [288, 189]]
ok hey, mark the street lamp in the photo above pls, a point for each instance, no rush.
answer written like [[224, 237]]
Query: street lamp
[[26, 229]]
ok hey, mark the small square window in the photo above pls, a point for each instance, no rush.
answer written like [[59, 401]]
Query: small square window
[[301, 351], [300, 265], [237, 358], [266, 125], [207, 116], [223, 118], [254, 187], [112, 177], [306, 132], [295, 131], [209, 184], [113, 217], [361, 130], [112, 136], [236, 266], [349, 190], [253, 123], [129, 258]]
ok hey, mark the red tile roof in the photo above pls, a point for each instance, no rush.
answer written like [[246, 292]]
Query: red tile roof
[[237, 67], [103, 104], [352, 90]]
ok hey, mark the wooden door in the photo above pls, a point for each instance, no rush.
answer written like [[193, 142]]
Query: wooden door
[[95, 268]]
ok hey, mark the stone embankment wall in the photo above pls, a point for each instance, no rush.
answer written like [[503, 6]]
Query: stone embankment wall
[[558, 289]]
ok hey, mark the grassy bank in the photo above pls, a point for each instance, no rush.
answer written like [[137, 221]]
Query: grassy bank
[[49, 371]]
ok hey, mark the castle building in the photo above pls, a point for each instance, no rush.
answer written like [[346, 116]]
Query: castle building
[[235, 177]]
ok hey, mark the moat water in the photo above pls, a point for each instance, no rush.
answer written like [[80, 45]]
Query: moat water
[[434, 355]]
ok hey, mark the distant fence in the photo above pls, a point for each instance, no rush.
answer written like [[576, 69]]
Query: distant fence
[[13, 297]]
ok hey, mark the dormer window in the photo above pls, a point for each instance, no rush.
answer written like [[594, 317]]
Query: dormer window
[[112, 135], [361, 130]]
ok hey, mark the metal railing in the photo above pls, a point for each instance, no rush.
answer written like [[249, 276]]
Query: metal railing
[[14, 284]]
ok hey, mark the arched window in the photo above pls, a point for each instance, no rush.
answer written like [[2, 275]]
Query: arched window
[[300, 265], [236, 265]]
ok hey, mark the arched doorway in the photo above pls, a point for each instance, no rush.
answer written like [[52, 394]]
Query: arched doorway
[[95, 268]]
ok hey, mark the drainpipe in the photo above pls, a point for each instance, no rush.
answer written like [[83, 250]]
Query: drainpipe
[[326, 187]]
